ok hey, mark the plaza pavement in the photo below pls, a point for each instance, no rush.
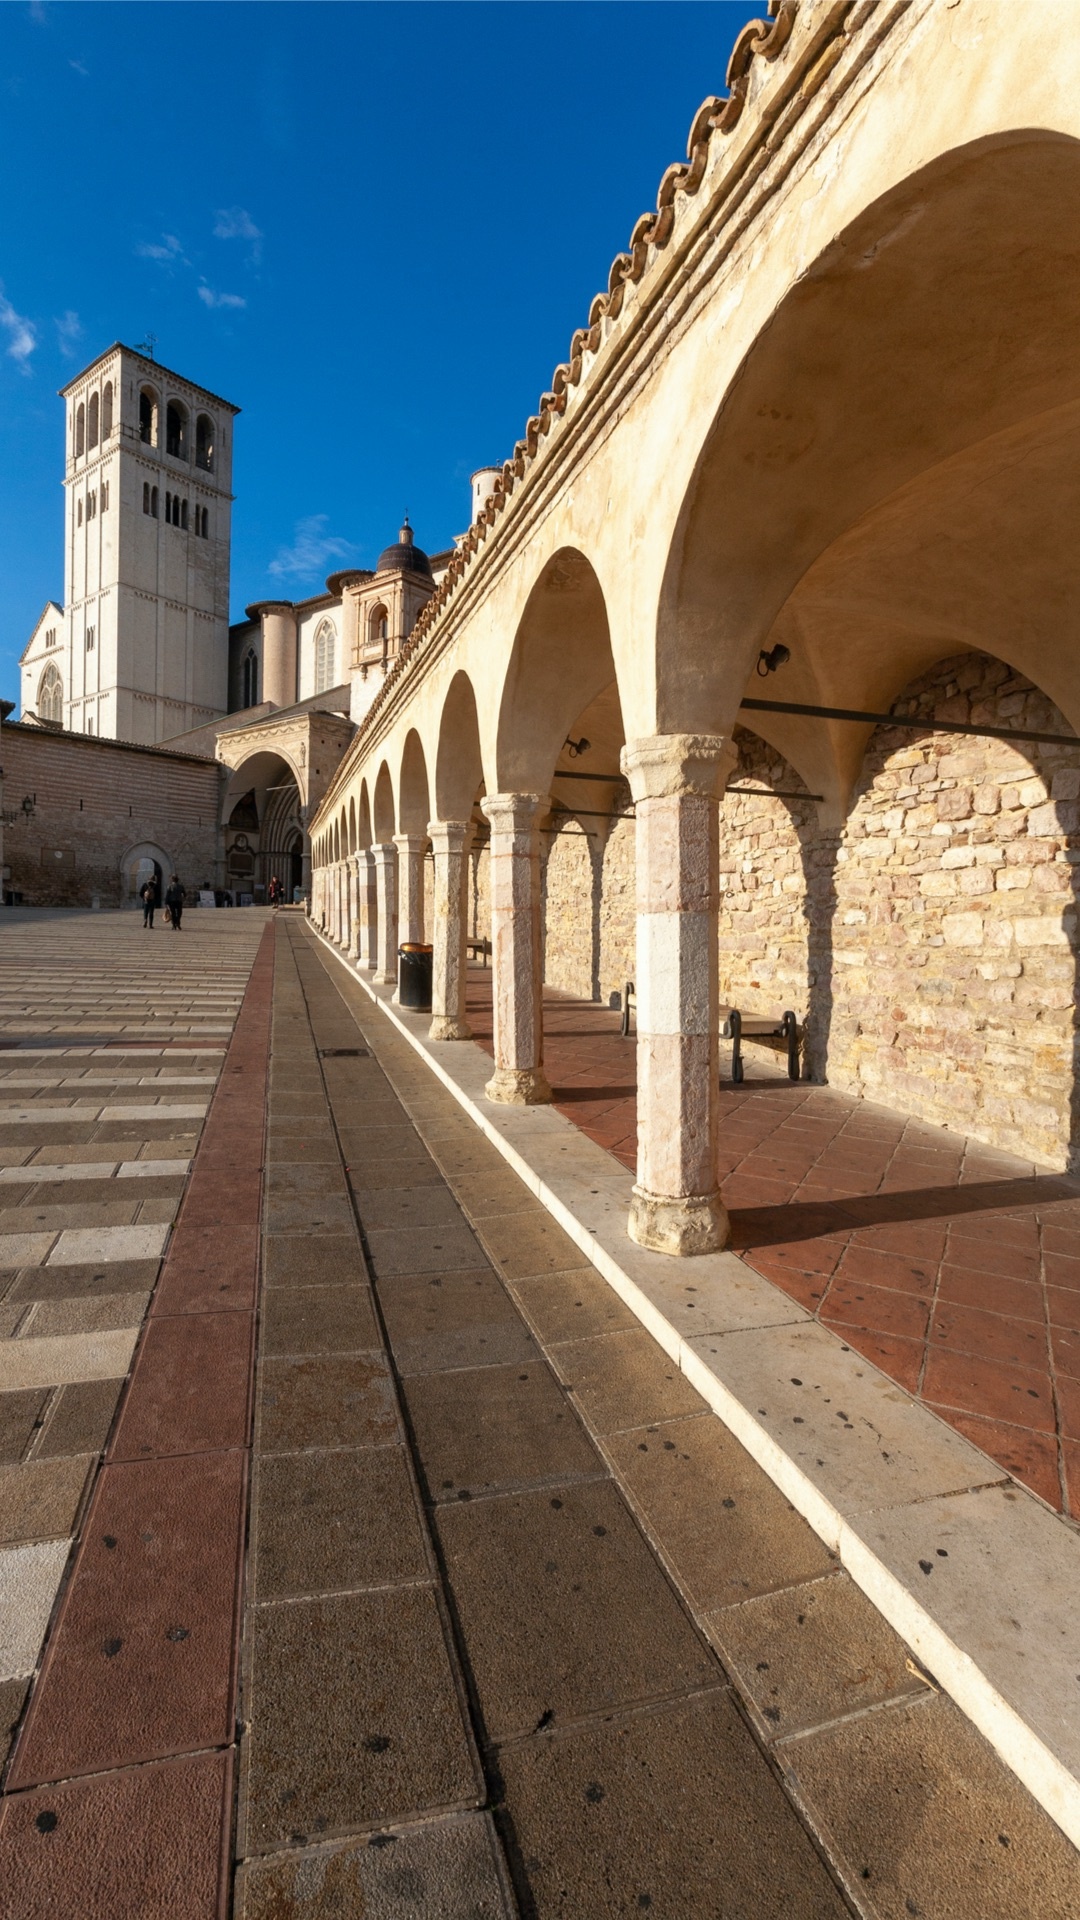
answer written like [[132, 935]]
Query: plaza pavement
[[482, 1612]]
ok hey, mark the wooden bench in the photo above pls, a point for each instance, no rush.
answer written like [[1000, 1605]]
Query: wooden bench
[[479, 947], [737, 1026]]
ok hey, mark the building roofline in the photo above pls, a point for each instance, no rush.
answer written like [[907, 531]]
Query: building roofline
[[169, 372], [101, 740]]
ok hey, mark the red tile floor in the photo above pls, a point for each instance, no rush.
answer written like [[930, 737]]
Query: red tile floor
[[954, 1268]]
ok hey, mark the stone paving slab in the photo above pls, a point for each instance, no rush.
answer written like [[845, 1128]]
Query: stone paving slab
[[780, 1383]]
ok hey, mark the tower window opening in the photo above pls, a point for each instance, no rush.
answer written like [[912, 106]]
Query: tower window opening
[[78, 512], [92, 422], [90, 724], [154, 502], [91, 639], [184, 514], [80, 431], [176, 430], [204, 443], [202, 522], [148, 416], [106, 411], [104, 496], [146, 496]]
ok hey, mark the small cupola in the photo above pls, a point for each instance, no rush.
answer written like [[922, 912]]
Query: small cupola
[[404, 556]]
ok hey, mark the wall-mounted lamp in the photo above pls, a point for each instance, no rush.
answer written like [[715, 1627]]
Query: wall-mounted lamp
[[575, 748], [29, 804], [777, 656]]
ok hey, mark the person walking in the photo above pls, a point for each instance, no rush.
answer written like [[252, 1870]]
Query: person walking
[[174, 900], [148, 897], [276, 891]]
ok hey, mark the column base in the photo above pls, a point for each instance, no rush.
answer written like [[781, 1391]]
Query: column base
[[384, 979], [697, 1223], [518, 1086], [444, 1028]]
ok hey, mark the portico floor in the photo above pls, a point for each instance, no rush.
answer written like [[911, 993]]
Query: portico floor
[[953, 1267]]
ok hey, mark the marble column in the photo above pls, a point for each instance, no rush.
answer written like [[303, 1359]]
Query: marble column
[[450, 840], [369, 910], [411, 848], [386, 944], [339, 903], [514, 855], [356, 861], [676, 780]]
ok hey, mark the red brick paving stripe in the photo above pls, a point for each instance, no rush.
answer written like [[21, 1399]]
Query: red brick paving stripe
[[141, 1665], [144, 1844]]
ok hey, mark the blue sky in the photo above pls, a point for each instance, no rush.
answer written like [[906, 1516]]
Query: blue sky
[[372, 226]]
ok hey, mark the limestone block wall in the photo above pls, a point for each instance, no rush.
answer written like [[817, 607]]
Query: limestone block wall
[[954, 929], [93, 801], [766, 848], [588, 883]]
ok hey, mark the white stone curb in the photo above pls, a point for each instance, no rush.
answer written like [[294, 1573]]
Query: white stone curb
[[978, 1577]]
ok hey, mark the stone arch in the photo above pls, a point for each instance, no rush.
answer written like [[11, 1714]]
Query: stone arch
[[964, 276], [142, 861], [459, 767], [414, 803], [384, 821], [352, 823], [561, 661]]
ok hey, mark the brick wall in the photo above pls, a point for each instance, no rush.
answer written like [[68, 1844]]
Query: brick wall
[[95, 800]]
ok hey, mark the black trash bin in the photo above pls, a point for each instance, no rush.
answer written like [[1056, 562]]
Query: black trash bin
[[414, 977]]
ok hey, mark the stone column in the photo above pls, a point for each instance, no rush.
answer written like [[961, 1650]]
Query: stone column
[[676, 780], [450, 840], [355, 927], [387, 931], [411, 850], [519, 1079], [339, 904], [369, 910]]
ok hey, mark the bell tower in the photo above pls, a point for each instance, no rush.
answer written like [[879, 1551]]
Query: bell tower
[[147, 527]]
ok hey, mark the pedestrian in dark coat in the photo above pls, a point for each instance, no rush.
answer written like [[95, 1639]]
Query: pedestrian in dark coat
[[148, 897], [174, 900]]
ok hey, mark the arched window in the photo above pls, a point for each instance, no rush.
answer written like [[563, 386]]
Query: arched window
[[148, 416], [50, 700], [78, 511], [91, 639], [251, 678], [154, 502], [176, 425], [325, 656], [106, 411], [92, 428], [80, 431], [204, 442], [204, 522], [378, 631], [90, 724], [184, 514], [146, 496]]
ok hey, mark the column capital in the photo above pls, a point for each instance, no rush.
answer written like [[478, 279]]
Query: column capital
[[411, 842], [383, 850], [664, 765], [514, 812], [450, 836]]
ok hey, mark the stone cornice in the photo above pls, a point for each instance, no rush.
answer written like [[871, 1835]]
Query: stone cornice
[[786, 75]]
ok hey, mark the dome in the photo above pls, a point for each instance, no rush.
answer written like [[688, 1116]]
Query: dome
[[403, 556]]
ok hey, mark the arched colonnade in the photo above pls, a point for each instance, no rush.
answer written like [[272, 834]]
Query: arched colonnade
[[861, 450]]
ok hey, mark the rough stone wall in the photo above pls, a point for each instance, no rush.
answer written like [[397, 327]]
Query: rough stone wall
[[94, 800], [588, 883], [765, 956], [955, 922]]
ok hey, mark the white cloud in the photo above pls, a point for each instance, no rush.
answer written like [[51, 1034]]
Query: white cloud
[[236, 223], [21, 333], [211, 299], [79, 68], [70, 330], [168, 249], [310, 552]]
